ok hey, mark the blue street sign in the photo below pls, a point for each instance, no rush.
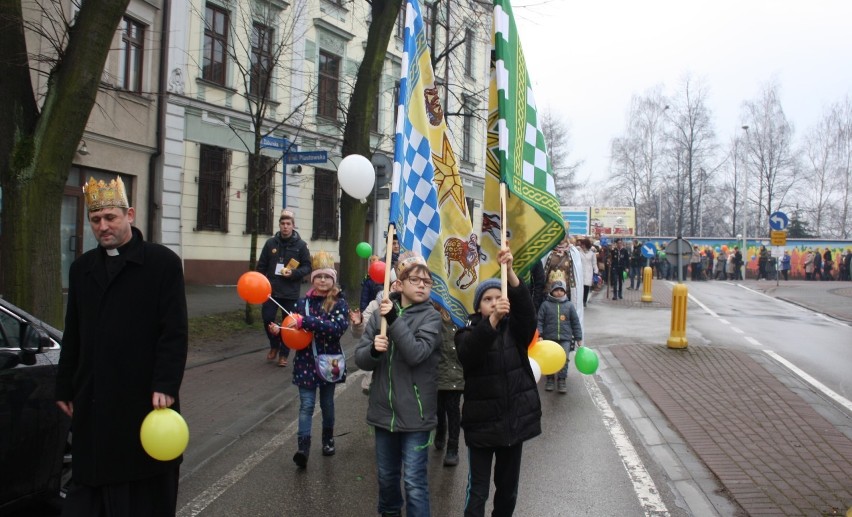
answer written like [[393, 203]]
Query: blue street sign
[[649, 250], [778, 221], [306, 157], [273, 142]]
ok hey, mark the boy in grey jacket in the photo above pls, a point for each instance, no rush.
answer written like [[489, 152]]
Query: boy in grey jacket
[[558, 321], [404, 393]]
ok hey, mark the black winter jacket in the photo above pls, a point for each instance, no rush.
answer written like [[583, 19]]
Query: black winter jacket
[[501, 404], [279, 250]]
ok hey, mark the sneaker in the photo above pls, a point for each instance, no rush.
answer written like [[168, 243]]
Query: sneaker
[[328, 448], [562, 386], [451, 459], [548, 386], [439, 444]]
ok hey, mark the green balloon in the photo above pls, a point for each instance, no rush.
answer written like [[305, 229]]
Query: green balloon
[[624, 274], [586, 360], [364, 250]]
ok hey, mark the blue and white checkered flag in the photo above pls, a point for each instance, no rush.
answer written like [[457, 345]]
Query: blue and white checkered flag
[[414, 200]]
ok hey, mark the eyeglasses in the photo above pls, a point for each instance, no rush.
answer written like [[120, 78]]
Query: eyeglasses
[[416, 280]]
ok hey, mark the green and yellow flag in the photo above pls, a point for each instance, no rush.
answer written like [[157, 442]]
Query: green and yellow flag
[[517, 155]]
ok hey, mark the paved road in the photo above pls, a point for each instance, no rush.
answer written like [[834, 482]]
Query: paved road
[[718, 462]]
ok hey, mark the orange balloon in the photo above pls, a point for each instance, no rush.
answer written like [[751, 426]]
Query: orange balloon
[[253, 287], [295, 339], [534, 339]]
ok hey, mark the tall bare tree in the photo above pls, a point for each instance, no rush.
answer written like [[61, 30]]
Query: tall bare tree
[[638, 158], [693, 138], [39, 132], [770, 154]]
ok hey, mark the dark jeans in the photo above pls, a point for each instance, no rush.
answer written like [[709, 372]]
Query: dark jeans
[[507, 472], [617, 281], [586, 290], [269, 312], [307, 402], [636, 273], [393, 451], [449, 417]]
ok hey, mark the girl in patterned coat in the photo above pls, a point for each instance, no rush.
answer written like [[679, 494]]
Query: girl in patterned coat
[[324, 312]]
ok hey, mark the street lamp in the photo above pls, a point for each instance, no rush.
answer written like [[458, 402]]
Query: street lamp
[[745, 207]]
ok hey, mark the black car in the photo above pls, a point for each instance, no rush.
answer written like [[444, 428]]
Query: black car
[[35, 438]]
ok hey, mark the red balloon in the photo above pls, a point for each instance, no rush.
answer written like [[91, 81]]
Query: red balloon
[[377, 272], [253, 287], [295, 339]]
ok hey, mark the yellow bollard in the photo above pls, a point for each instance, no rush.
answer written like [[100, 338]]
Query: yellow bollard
[[647, 278], [677, 338]]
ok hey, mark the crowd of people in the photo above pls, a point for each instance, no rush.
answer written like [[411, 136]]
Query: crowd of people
[[422, 365]]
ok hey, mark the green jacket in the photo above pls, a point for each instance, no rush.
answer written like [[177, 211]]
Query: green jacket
[[450, 373]]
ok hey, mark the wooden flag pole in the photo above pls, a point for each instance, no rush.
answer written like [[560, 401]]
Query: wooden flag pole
[[383, 330], [504, 278]]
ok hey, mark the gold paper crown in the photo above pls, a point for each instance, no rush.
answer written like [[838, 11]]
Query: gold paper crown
[[100, 194], [407, 259], [322, 260], [557, 275]]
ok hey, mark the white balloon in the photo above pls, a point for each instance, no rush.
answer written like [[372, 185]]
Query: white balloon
[[536, 369], [356, 176]]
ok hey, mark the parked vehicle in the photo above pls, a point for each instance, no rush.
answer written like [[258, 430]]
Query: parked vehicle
[[35, 438]]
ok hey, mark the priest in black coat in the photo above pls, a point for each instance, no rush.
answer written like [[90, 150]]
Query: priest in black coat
[[123, 354]]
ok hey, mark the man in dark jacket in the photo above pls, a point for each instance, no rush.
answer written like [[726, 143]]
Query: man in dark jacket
[[123, 354], [285, 260], [501, 405], [620, 262]]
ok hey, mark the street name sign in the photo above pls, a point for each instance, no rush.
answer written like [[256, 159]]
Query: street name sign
[[306, 157]]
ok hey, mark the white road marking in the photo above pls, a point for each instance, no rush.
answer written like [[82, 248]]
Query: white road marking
[[738, 331], [753, 341], [810, 380], [206, 498], [643, 485], [707, 309], [723, 320]]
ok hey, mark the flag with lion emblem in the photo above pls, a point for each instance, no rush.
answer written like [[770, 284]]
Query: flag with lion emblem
[[428, 206]]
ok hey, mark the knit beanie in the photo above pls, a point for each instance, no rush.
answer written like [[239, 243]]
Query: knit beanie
[[491, 283]]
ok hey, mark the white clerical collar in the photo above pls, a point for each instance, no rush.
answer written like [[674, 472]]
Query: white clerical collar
[[112, 252]]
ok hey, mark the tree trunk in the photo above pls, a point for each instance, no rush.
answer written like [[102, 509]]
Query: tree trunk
[[37, 149], [356, 134]]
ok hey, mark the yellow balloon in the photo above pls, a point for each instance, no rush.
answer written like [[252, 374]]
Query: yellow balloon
[[164, 434], [549, 355]]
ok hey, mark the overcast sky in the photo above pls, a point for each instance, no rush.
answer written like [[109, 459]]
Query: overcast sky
[[587, 58]]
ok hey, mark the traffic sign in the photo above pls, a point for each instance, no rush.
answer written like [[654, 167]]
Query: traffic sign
[[778, 238], [778, 221], [649, 250], [680, 247]]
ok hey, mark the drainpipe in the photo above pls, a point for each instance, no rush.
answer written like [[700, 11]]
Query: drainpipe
[[153, 205]]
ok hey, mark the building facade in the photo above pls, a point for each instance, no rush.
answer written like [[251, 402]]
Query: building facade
[[289, 69]]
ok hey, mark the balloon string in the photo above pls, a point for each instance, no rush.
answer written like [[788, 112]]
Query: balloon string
[[279, 305]]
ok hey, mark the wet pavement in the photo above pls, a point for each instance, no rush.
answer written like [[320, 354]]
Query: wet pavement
[[763, 438]]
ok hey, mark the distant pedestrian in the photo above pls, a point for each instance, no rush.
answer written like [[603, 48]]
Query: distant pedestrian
[[785, 264], [590, 269], [637, 264], [827, 265], [762, 260], [619, 263], [738, 264], [558, 321], [817, 265], [285, 260], [721, 265], [847, 263], [809, 265]]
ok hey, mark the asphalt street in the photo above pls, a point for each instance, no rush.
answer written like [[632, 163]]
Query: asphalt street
[[685, 436]]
